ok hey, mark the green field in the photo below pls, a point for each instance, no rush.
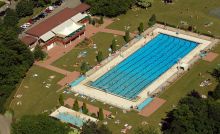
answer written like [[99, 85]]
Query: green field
[[103, 42], [194, 12], [35, 96]]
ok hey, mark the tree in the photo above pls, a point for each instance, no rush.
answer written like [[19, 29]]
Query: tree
[[216, 73], [168, 1], [99, 56], [152, 20], [24, 8], [141, 28], [193, 115], [103, 129], [127, 36], [39, 124], [110, 8], [101, 21], [15, 61], [144, 3], [76, 105], [11, 18], [113, 45], [216, 92], [84, 108], [146, 130], [84, 67], [38, 53], [93, 128], [61, 100], [100, 114]]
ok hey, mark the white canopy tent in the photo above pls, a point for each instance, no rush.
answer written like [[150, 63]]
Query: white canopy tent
[[66, 28], [45, 37], [79, 17]]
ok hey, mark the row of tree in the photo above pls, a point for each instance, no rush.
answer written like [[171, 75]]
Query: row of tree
[[15, 57], [109, 8]]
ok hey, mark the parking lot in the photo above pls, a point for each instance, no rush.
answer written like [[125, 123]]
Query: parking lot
[[48, 12]]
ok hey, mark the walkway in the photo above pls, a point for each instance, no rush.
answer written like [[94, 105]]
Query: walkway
[[4, 125], [152, 107]]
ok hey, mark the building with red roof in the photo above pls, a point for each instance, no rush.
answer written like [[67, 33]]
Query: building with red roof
[[62, 27]]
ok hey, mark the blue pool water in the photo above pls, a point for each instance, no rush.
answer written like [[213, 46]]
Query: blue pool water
[[70, 119], [140, 69], [144, 103], [77, 81]]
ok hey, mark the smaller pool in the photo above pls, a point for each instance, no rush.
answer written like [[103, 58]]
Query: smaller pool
[[77, 81], [76, 121], [144, 103]]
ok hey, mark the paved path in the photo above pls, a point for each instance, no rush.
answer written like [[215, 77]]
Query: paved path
[[152, 107], [4, 125]]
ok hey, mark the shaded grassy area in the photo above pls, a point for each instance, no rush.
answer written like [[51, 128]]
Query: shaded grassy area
[[102, 41], [188, 82], [2, 3], [194, 12], [35, 96]]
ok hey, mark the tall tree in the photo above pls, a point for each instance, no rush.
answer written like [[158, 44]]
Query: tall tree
[[61, 100], [25, 8], [76, 105], [152, 20], [84, 67], [84, 108], [101, 21], [100, 114], [99, 56], [141, 28], [39, 54], [113, 45], [11, 18], [127, 36], [39, 124]]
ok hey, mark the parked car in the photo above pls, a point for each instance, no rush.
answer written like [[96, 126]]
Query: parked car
[[42, 15], [25, 25]]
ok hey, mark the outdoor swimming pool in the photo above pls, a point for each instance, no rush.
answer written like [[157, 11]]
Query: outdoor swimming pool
[[140, 69], [76, 121]]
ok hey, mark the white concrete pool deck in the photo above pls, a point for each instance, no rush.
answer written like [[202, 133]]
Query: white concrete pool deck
[[117, 101]]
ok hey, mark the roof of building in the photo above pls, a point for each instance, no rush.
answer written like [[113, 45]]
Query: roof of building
[[66, 28], [56, 20], [28, 40], [79, 17]]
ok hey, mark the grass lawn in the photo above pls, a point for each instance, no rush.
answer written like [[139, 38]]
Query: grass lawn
[[194, 12], [102, 41], [172, 95], [2, 3], [35, 96]]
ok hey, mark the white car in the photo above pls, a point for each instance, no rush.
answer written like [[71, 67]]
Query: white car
[[25, 25]]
